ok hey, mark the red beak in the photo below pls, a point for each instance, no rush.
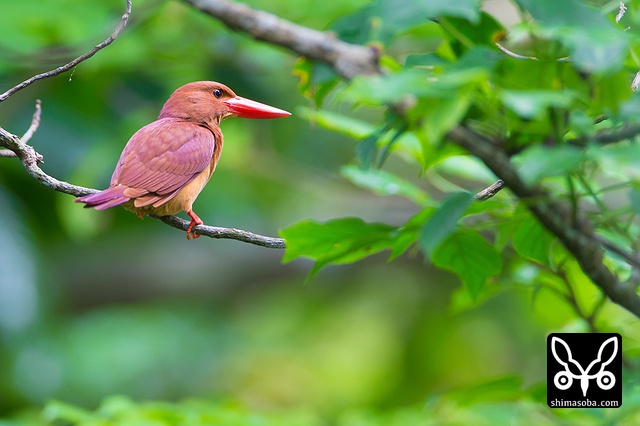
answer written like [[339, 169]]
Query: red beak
[[247, 108]]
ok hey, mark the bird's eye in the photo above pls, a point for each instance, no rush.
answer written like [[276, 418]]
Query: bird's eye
[[217, 93]]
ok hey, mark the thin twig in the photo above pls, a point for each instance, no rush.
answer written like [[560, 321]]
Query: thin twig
[[229, 233], [532, 58], [621, 11], [626, 132], [35, 123], [632, 258], [75, 62], [606, 136], [489, 191], [636, 82]]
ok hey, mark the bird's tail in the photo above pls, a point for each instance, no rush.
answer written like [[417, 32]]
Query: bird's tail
[[102, 200]]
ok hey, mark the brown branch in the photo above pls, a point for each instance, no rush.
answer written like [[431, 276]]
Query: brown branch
[[10, 138], [626, 132], [489, 191], [30, 160], [75, 62], [578, 237], [347, 59], [229, 233], [609, 136], [35, 123], [632, 258]]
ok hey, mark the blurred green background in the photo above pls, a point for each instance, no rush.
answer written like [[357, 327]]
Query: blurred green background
[[94, 304]]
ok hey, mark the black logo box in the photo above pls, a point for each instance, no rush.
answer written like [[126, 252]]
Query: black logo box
[[584, 370]]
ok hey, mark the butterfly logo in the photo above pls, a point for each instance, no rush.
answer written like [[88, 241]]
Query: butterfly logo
[[595, 370]]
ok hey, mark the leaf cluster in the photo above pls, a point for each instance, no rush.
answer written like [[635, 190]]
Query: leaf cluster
[[542, 86]]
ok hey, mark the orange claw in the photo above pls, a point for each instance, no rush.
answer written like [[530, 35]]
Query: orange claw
[[195, 221]]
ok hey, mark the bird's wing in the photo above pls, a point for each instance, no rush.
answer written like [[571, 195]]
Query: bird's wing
[[163, 156]]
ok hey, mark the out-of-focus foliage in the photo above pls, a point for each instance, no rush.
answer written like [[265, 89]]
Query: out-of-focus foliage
[[534, 83], [95, 304], [542, 80]]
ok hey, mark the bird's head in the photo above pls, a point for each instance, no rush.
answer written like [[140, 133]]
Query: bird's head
[[210, 102]]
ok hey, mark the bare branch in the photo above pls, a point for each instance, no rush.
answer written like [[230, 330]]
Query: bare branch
[[609, 136], [632, 258], [229, 233], [626, 132], [489, 191], [636, 82], [347, 59], [75, 62], [621, 11], [518, 56], [35, 123], [30, 160]]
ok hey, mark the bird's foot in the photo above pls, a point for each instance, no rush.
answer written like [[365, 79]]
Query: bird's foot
[[195, 221]]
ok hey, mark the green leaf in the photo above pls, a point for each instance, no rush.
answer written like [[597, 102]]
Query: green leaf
[[595, 44], [634, 198], [337, 241], [317, 79], [509, 225], [444, 115], [409, 233], [383, 90], [424, 60], [532, 241], [495, 389], [597, 49], [468, 255], [392, 138], [530, 104], [383, 20], [539, 161], [57, 411], [384, 183], [449, 84], [443, 221], [621, 160], [351, 127], [484, 31], [554, 13], [630, 109], [367, 150], [465, 167]]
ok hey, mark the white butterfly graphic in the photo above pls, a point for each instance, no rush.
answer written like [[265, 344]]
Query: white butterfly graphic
[[564, 379]]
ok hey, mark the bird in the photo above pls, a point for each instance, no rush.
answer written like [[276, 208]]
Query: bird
[[166, 163]]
